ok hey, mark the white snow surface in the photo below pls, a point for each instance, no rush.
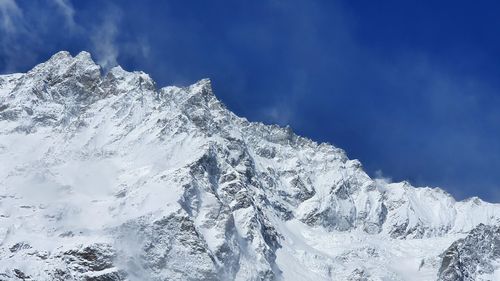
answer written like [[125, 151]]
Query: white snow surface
[[171, 185]]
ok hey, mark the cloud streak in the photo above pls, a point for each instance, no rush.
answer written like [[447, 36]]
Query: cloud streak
[[14, 36], [11, 16], [24, 33], [66, 9], [104, 39]]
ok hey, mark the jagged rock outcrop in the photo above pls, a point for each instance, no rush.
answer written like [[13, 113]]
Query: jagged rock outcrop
[[475, 257]]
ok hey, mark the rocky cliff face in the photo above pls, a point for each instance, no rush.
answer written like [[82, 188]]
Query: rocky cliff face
[[475, 257], [107, 177]]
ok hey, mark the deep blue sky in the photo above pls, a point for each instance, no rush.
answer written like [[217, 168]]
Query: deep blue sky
[[411, 89]]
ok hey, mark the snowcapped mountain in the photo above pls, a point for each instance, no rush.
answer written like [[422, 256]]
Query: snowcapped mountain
[[107, 177]]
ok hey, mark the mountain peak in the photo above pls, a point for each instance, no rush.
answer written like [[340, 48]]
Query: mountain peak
[[84, 56], [62, 66], [61, 55], [60, 58], [203, 87]]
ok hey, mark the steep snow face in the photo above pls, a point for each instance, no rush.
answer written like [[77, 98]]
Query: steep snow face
[[110, 178]]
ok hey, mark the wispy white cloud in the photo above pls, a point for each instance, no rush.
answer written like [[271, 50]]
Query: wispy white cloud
[[108, 43], [23, 31], [103, 39], [380, 177], [26, 32], [279, 113], [144, 47], [11, 16], [66, 9], [13, 31]]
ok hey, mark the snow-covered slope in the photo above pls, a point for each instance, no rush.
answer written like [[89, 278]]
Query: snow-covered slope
[[107, 177]]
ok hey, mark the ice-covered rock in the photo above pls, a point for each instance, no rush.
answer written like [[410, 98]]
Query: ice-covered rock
[[475, 257]]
